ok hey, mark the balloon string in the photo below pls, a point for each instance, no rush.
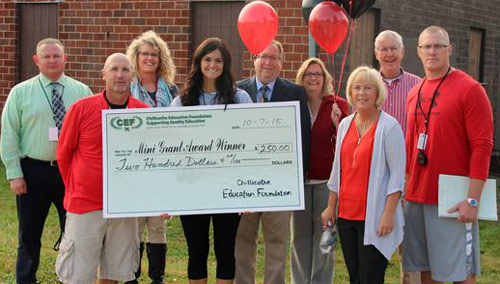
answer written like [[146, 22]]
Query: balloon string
[[333, 77], [251, 69], [351, 28]]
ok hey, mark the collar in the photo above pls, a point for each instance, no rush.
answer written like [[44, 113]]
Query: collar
[[106, 104], [46, 81], [388, 81], [395, 78], [270, 84], [439, 78]]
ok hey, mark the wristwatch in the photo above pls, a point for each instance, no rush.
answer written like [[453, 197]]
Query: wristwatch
[[473, 202]]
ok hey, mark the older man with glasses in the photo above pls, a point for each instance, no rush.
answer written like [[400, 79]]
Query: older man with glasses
[[389, 51], [264, 87]]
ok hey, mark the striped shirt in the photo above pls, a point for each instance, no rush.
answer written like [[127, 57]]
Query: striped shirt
[[397, 91]]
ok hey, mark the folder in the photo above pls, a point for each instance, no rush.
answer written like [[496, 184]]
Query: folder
[[453, 189]]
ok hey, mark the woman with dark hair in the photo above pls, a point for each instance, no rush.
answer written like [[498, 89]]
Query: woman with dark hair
[[210, 82]]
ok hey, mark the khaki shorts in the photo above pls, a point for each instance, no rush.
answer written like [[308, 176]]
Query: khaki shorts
[[91, 242]]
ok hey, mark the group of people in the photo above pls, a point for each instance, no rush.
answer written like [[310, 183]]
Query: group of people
[[358, 167]]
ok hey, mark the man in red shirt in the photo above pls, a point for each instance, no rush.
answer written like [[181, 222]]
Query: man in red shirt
[[90, 241], [450, 131]]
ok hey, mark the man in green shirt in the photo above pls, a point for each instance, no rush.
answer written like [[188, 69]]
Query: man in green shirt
[[31, 121]]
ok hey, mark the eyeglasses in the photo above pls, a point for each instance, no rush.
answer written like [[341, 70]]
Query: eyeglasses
[[313, 74], [147, 54], [390, 49], [438, 47], [267, 57]]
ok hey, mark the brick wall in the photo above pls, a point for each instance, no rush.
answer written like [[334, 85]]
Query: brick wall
[[91, 30], [292, 32], [7, 48]]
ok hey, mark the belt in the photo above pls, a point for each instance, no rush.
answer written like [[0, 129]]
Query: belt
[[52, 163]]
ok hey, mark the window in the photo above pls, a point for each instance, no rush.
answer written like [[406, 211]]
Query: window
[[219, 19], [476, 53], [36, 22], [367, 27]]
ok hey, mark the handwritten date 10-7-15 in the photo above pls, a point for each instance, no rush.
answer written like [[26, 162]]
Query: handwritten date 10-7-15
[[274, 122], [273, 148]]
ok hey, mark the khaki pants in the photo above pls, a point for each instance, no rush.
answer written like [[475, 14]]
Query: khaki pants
[[307, 263], [276, 227], [156, 229]]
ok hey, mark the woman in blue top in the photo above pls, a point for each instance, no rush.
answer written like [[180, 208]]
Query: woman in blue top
[[210, 82], [153, 84]]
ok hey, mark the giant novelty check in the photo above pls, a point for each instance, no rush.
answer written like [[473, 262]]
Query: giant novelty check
[[204, 159]]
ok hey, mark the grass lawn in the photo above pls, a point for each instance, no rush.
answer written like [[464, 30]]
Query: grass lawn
[[177, 252]]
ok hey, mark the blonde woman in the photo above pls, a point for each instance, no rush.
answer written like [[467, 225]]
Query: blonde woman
[[153, 84], [308, 265], [366, 182]]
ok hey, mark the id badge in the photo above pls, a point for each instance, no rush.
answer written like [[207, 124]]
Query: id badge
[[422, 141], [53, 134]]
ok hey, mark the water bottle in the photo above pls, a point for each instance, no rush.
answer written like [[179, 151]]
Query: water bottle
[[328, 239]]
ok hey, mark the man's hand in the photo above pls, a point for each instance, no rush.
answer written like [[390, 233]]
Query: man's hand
[[466, 213], [18, 186]]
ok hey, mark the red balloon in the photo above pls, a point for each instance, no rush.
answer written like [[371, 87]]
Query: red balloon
[[257, 25], [328, 24]]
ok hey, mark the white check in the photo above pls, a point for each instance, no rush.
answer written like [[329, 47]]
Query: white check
[[203, 159]]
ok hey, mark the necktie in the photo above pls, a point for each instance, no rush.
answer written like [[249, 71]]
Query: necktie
[[57, 105], [263, 91]]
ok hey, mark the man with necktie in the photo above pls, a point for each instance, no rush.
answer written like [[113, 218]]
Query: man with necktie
[[31, 121], [267, 86]]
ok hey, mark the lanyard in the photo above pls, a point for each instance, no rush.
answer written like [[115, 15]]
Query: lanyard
[[47, 97], [419, 100], [203, 98]]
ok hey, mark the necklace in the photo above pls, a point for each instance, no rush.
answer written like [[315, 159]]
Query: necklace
[[361, 129], [203, 93], [360, 134], [313, 110]]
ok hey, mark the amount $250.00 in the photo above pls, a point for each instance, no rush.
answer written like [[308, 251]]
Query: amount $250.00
[[269, 148]]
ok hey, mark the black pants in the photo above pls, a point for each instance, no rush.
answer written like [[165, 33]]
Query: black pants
[[365, 264], [196, 230], [44, 186]]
